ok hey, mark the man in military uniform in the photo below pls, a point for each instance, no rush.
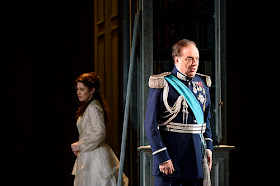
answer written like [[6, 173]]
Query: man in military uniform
[[177, 122]]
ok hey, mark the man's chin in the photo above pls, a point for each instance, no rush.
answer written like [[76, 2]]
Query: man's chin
[[191, 74]]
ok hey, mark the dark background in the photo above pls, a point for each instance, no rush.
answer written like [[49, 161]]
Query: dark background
[[16, 93], [47, 46]]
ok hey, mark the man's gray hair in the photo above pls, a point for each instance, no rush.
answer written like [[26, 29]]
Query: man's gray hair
[[177, 47]]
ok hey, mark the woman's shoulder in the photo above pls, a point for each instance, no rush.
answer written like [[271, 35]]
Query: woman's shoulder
[[95, 105], [94, 109]]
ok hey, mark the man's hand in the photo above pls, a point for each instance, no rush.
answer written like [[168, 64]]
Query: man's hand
[[167, 167], [209, 158]]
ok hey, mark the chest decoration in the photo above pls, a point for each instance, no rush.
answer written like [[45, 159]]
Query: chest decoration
[[173, 111], [198, 87], [201, 98]]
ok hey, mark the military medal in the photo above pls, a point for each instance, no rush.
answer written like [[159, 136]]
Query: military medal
[[201, 98], [203, 91], [199, 83], [194, 90], [194, 87]]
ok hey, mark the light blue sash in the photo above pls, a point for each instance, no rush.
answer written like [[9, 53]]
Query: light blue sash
[[192, 102], [190, 98]]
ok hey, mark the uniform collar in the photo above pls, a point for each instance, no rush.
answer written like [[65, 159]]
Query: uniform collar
[[180, 75]]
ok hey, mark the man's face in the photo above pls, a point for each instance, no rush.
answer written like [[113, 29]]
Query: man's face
[[188, 62]]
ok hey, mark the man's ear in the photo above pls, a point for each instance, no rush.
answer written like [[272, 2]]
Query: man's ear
[[176, 60]]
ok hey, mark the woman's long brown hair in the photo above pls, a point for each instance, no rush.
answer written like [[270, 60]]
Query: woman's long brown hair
[[91, 80]]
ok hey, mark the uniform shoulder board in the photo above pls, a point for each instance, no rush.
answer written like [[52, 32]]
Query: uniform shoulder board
[[208, 79], [157, 81]]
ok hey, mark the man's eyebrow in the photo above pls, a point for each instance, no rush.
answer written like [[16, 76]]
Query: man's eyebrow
[[192, 57]]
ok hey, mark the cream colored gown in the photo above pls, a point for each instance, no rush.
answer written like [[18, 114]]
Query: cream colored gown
[[96, 163]]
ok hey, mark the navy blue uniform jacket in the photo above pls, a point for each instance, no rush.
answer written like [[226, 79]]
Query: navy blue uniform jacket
[[183, 149]]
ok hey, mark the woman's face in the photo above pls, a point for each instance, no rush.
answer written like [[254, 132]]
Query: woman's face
[[83, 92]]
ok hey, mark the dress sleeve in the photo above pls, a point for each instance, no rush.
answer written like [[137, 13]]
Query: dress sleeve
[[95, 131]]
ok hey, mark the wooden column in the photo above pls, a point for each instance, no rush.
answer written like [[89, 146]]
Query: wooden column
[[106, 63]]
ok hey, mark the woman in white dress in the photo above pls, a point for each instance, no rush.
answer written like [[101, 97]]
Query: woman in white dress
[[96, 163]]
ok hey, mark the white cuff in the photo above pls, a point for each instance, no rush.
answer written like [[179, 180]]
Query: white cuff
[[157, 151], [208, 139]]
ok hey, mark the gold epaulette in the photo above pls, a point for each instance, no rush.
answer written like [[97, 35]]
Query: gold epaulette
[[208, 79], [157, 81]]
